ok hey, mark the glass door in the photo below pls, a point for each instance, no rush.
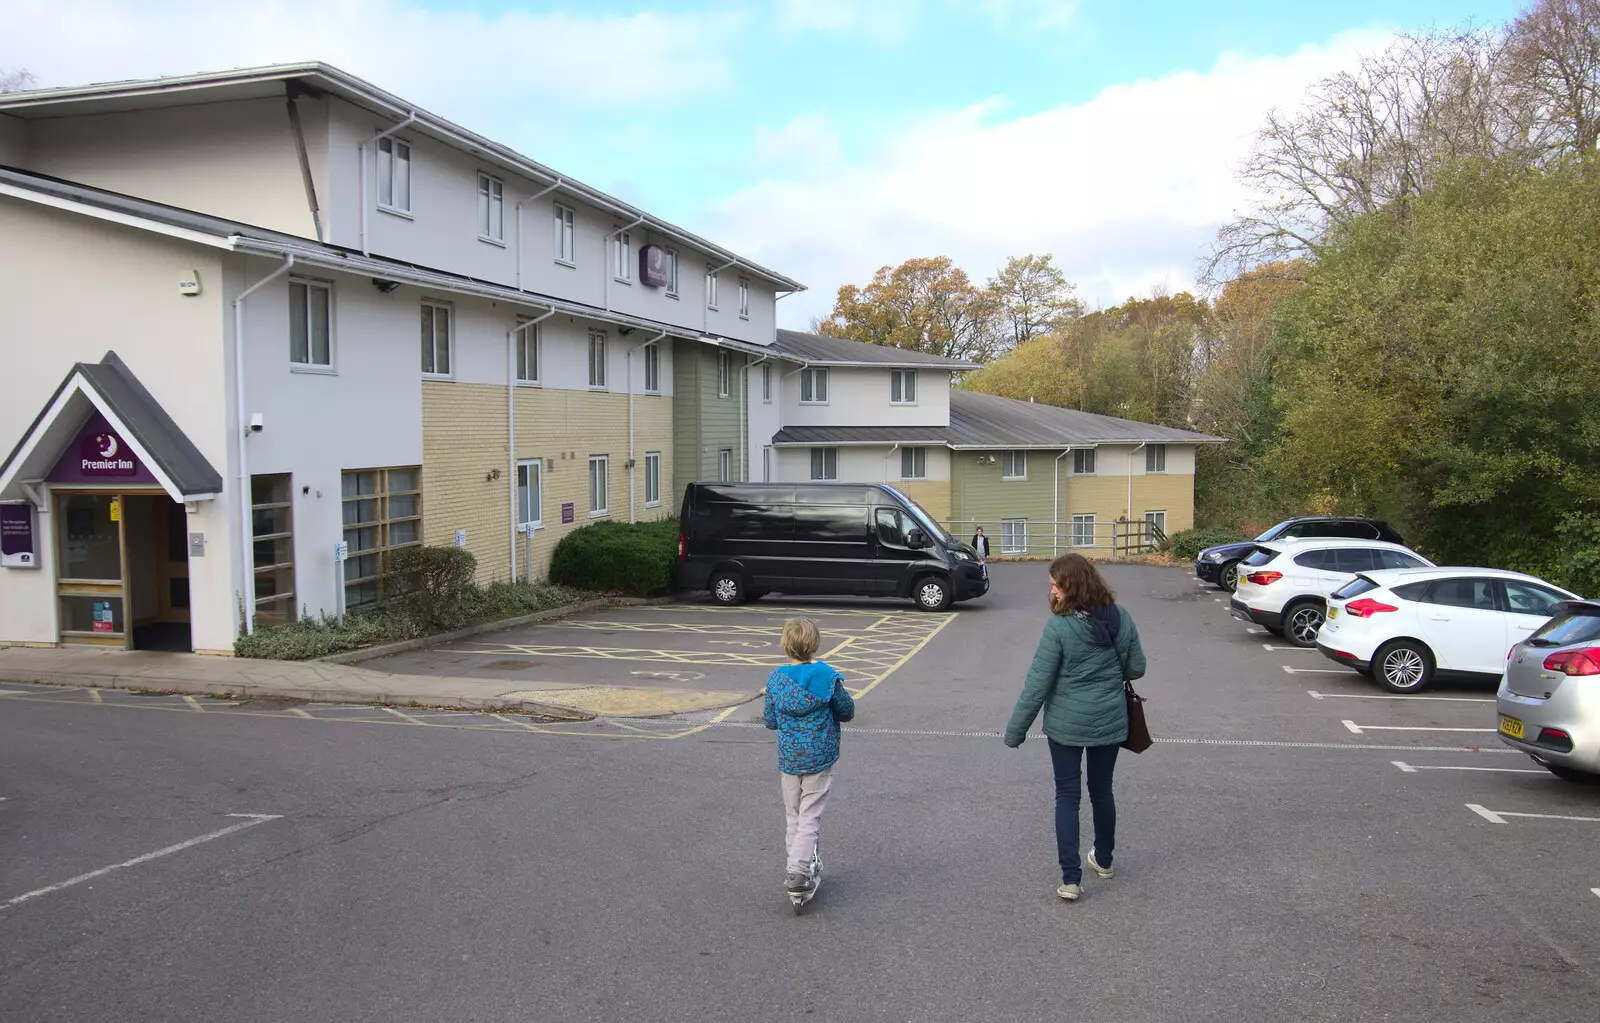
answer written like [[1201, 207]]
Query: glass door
[[91, 572]]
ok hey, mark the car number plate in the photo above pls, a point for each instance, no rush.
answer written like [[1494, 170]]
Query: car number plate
[[1511, 727], [1333, 612]]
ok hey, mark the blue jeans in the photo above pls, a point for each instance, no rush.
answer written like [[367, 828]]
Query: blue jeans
[[1068, 763]]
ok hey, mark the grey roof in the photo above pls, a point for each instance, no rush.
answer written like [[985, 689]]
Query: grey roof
[[818, 350], [148, 424], [990, 422]]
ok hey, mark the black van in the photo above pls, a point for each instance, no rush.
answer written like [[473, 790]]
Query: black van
[[742, 541]]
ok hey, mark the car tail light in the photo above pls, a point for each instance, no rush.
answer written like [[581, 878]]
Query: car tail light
[[1263, 578], [682, 547], [1556, 739], [1366, 607], [1344, 655], [1575, 662]]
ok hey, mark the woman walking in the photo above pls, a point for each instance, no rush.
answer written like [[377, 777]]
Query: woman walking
[[1089, 647]]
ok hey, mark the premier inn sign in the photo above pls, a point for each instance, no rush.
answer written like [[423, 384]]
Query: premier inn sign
[[99, 454]]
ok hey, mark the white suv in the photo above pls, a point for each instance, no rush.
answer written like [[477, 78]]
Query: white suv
[[1284, 585]]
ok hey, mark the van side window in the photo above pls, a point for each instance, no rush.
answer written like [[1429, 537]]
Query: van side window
[[835, 524], [891, 527]]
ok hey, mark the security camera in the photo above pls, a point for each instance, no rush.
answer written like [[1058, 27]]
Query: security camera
[[257, 422]]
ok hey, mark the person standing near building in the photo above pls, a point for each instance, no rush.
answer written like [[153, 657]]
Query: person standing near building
[[980, 543]]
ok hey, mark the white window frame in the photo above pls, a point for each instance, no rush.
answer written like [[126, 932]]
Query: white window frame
[[290, 610], [1083, 461], [621, 255], [310, 285], [744, 299], [391, 153], [1014, 464], [448, 313], [1155, 459], [652, 369], [1009, 539], [564, 241], [724, 374], [902, 387], [599, 486], [672, 273], [766, 463], [914, 455], [597, 361], [810, 377], [1079, 532], [823, 454], [528, 351], [491, 209], [711, 287], [530, 477], [1151, 516], [652, 479], [725, 465], [766, 382]]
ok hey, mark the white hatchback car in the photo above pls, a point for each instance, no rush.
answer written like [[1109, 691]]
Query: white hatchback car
[[1284, 585], [1404, 628]]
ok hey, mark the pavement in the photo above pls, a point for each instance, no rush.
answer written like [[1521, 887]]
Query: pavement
[[257, 860]]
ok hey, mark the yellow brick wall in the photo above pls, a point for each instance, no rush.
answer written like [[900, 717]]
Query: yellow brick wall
[[933, 495], [1106, 497], [464, 439]]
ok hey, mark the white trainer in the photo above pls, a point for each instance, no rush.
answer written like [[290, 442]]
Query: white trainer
[[1070, 892], [1105, 872]]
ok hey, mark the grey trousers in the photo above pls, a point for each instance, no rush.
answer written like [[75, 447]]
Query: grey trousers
[[803, 798]]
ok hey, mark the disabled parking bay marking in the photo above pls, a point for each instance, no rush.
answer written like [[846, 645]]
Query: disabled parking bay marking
[[1393, 696], [1414, 768], [1499, 816], [1359, 729]]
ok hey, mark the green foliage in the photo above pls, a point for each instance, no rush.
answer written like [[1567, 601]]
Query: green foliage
[[431, 583], [616, 557], [1187, 545]]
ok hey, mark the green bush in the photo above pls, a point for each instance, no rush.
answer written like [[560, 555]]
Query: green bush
[[431, 583], [639, 559], [1187, 545]]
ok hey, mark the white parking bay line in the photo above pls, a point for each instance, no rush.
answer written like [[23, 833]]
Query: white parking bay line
[[250, 821], [1499, 816], [1414, 768], [1394, 696], [1316, 671], [1290, 649], [1595, 890], [1358, 729]]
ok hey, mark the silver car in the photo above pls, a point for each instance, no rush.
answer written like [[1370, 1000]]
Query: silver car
[[1549, 699]]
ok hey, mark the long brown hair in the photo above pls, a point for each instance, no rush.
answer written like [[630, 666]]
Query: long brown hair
[[1080, 583]]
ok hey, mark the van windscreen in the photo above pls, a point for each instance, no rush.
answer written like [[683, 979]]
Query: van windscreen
[[924, 520]]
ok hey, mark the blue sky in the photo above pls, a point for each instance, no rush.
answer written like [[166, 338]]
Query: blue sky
[[822, 137]]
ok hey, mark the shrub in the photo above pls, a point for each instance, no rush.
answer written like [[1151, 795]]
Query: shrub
[[1187, 545], [431, 583], [616, 557]]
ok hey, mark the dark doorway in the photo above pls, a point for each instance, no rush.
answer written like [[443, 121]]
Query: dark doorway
[[156, 532]]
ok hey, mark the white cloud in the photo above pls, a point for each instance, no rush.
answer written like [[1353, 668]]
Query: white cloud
[[890, 20], [1126, 188]]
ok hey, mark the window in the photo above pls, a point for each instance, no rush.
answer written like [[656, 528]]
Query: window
[[1350, 560], [766, 382], [1473, 593], [310, 323], [1013, 536], [913, 463], [394, 175], [744, 299], [597, 359], [491, 208], [1014, 465], [1528, 599], [903, 387], [1317, 561], [1397, 559], [1083, 531], [824, 463], [711, 288], [435, 339], [382, 513], [672, 273], [1083, 462], [652, 368], [891, 526], [598, 500], [1155, 458], [530, 493], [1155, 526], [622, 255], [725, 465], [652, 478], [564, 250], [528, 355], [766, 464], [724, 374], [272, 517], [813, 387]]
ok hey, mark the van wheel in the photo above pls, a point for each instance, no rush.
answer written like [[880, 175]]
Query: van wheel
[[931, 593], [727, 589]]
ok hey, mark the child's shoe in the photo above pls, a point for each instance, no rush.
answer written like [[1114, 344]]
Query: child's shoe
[[798, 884], [1105, 873], [1070, 892]]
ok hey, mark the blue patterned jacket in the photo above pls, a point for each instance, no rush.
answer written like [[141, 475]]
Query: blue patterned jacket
[[807, 724]]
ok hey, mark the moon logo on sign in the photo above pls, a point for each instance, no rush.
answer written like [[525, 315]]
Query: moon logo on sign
[[107, 445]]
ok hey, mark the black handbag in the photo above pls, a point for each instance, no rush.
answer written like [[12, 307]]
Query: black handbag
[[1138, 739]]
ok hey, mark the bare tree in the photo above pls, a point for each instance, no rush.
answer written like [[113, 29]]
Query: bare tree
[[1554, 49], [16, 80]]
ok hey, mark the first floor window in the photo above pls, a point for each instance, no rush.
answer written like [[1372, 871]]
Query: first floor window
[[725, 465], [1083, 531], [382, 513], [672, 272], [652, 478], [824, 463], [766, 382], [272, 518], [528, 355], [491, 208], [622, 247], [597, 359], [766, 464], [1083, 462], [652, 368], [1013, 536], [564, 251], [598, 500], [530, 493], [814, 386], [903, 387], [310, 323], [1155, 458], [435, 339], [711, 288], [744, 298], [1155, 523], [724, 374], [1014, 465], [394, 174], [913, 463]]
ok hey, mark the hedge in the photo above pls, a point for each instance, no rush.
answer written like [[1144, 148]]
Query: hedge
[[1187, 545], [616, 557]]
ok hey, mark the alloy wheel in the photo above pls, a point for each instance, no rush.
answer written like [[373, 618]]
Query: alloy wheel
[[1403, 668], [1304, 625]]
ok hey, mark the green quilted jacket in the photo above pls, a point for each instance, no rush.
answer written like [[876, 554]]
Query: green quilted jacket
[[1078, 684]]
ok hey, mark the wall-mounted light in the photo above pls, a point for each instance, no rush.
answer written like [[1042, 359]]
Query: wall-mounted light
[[384, 285], [491, 475]]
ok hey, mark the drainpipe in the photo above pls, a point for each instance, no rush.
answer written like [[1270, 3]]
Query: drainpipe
[[633, 461], [364, 146], [1055, 528], [246, 532], [511, 428], [612, 270], [531, 198], [705, 312], [887, 457], [744, 417], [1135, 451]]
